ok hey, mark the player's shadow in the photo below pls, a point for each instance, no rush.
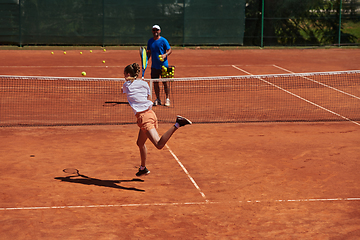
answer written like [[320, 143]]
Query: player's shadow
[[82, 179]]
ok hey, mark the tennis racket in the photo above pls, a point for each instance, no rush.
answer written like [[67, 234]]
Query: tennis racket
[[144, 60]]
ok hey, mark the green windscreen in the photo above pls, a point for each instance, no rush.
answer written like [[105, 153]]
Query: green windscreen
[[126, 22]]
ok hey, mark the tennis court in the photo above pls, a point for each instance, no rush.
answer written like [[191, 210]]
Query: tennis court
[[254, 180]]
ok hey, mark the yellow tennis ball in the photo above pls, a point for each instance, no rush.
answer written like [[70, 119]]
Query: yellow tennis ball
[[64, 52], [52, 52], [80, 52], [104, 50], [83, 73], [104, 61], [90, 51]]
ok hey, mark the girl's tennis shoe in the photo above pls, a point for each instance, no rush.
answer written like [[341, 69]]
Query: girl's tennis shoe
[[182, 121], [145, 171]]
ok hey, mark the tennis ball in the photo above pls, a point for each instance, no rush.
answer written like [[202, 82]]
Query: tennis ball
[[90, 51], [104, 61], [83, 73], [64, 52], [52, 52], [80, 52], [104, 50]]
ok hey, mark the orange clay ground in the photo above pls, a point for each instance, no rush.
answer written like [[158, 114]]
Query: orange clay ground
[[213, 181]]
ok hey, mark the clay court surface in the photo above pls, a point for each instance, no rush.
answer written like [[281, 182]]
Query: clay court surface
[[288, 180]]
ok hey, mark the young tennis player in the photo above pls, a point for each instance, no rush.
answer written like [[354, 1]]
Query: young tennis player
[[137, 92]]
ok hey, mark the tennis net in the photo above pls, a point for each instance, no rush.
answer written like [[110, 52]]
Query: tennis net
[[50, 101]]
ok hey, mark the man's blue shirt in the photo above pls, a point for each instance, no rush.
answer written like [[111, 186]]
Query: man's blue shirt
[[158, 47]]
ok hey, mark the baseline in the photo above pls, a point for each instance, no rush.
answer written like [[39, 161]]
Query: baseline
[[186, 203]]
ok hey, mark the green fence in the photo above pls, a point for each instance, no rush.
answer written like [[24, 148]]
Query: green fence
[[125, 22], [183, 22]]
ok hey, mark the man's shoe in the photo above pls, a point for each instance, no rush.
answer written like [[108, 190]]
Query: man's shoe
[[167, 102], [157, 102]]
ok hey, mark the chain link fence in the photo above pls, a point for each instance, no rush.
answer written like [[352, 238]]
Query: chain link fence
[[183, 22]]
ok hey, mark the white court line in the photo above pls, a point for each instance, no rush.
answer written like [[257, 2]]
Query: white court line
[[187, 173], [297, 96], [183, 204], [241, 70], [312, 80]]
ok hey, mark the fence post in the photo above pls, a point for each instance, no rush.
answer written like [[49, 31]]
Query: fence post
[[184, 23], [103, 23], [20, 37], [339, 40], [262, 23]]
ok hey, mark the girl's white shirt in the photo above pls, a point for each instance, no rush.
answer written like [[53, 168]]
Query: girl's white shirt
[[137, 93]]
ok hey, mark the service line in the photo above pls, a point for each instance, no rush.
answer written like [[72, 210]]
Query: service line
[[325, 85], [297, 96]]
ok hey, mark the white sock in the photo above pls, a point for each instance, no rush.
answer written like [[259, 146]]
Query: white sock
[[142, 168]]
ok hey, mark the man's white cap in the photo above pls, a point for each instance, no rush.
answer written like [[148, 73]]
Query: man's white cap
[[157, 27]]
